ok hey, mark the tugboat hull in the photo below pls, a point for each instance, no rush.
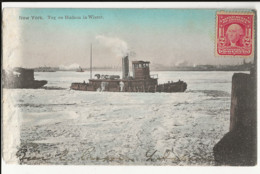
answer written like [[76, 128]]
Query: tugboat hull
[[130, 86]]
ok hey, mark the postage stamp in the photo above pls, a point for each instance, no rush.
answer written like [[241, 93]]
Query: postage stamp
[[234, 34]]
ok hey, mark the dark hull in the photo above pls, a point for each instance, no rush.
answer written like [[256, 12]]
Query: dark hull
[[21, 78], [28, 85], [179, 86]]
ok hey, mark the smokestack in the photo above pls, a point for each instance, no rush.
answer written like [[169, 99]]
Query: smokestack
[[125, 67]]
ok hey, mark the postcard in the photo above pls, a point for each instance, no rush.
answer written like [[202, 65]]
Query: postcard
[[129, 86]]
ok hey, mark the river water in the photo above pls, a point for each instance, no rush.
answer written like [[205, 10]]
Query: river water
[[63, 126]]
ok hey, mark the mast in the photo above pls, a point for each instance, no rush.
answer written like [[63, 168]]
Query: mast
[[91, 61]]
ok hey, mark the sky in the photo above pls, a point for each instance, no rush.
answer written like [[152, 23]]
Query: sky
[[162, 36]]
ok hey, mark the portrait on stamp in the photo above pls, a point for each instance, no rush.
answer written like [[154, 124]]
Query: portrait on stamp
[[235, 35]]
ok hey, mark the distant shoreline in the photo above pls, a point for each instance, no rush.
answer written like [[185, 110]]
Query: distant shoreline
[[243, 67]]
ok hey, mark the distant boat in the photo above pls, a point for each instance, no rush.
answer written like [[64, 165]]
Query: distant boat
[[80, 69], [21, 78]]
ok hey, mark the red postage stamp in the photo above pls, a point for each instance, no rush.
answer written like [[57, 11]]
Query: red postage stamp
[[235, 34]]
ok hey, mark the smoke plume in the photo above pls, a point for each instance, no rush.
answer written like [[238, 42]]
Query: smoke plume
[[182, 63], [69, 67], [118, 46]]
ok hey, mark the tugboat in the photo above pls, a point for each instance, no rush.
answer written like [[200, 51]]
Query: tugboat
[[141, 81], [21, 78], [80, 69]]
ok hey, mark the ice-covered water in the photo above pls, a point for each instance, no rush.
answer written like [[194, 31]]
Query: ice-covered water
[[80, 127]]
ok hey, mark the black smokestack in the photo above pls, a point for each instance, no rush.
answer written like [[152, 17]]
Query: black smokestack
[[125, 67]]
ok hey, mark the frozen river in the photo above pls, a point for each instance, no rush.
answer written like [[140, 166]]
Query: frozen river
[[79, 127]]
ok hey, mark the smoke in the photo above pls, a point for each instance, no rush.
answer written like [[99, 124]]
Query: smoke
[[118, 46], [132, 54], [69, 67], [182, 63]]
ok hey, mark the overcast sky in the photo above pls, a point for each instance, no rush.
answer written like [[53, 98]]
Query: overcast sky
[[162, 36]]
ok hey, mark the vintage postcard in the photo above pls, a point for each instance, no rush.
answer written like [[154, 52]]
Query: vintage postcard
[[129, 86]]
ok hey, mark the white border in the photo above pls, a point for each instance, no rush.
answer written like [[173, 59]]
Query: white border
[[241, 5], [25, 169]]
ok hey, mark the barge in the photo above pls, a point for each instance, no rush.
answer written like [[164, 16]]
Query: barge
[[21, 78]]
